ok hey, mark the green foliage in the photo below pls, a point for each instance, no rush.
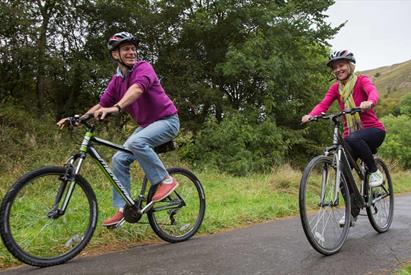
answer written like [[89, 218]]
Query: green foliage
[[397, 142], [213, 58], [405, 105], [264, 55], [238, 145]]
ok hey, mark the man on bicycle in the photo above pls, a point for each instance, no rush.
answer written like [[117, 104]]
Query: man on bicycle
[[136, 89]]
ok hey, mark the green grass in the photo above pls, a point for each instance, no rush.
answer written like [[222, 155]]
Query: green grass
[[404, 270], [231, 202]]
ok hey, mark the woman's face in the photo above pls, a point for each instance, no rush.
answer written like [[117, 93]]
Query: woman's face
[[341, 69], [127, 52]]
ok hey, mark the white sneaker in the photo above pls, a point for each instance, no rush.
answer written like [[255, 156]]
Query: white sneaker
[[376, 179], [341, 222]]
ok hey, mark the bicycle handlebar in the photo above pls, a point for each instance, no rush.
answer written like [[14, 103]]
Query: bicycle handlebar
[[79, 119], [336, 115]]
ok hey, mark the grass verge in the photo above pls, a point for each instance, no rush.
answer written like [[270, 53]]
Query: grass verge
[[231, 202]]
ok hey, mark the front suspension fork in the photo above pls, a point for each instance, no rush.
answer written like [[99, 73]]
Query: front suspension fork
[[67, 186]]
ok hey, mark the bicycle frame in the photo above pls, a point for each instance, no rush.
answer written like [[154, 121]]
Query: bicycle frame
[[344, 165], [73, 166]]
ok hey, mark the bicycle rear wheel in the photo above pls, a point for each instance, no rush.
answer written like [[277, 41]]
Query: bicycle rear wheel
[[381, 211], [178, 217], [31, 226], [323, 205]]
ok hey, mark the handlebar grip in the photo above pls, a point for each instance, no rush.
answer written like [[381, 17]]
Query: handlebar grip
[[85, 117], [352, 110]]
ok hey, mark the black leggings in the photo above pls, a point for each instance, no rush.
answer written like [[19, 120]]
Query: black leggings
[[363, 143]]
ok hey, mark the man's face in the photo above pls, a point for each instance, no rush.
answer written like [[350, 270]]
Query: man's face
[[127, 53]]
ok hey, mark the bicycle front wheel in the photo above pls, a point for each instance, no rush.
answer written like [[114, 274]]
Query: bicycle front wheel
[[32, 225], [178, 217], [381, 211], [323, 203]]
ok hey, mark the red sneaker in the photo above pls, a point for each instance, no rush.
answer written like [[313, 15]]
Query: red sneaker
[[115, 220], [164, 189]]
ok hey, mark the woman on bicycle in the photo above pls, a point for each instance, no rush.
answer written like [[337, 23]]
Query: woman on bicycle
[[363, 132], [136, 89]]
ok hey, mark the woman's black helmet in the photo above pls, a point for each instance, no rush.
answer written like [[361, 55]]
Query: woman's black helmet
[[119, 38], [338, 55]]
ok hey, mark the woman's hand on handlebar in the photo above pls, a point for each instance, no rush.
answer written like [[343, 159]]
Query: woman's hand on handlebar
[[306, 119], [366, 105]]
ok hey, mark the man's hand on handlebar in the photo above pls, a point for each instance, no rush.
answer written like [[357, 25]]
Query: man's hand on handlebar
[[62, 122], [74, 120]]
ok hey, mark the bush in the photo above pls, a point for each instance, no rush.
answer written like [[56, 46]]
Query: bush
[[396, 146], [238, 145], [405, 105]]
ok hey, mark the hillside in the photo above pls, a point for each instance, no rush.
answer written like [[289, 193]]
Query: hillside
[[393, 82]]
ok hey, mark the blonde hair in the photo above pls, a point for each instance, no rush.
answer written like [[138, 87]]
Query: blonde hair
[[352, 67]]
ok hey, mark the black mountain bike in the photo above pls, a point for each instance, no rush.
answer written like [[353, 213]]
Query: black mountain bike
[[329, 193], [49, 215]]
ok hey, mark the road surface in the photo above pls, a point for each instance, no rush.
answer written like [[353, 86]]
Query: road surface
[[277, 247]]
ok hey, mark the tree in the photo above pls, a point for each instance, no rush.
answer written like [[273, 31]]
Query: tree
[[38, 40], [215, 58], [263, 55]]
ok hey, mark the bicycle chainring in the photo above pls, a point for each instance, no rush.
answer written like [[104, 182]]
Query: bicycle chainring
[[131, 214]]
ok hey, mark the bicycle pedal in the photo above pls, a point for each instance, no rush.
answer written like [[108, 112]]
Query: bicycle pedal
[[115, 226]]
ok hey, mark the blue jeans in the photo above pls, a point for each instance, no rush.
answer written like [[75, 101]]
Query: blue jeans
[[141, 143]]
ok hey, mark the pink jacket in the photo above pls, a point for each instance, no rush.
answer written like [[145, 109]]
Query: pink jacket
[[364, 90]]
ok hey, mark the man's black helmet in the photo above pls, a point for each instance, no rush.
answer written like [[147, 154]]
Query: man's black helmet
[[338, 55], [119, 38]]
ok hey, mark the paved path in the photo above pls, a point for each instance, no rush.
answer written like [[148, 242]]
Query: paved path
[[278, 247]]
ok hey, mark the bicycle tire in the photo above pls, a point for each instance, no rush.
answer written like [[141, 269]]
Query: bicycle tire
[[310, 200], [182, 222], [375, 209], [58, 239]]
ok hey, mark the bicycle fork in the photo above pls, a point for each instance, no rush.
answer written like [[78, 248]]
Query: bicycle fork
[[66, 187], [338, 180]]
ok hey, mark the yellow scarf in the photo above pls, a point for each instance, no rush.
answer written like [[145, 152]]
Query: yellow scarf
[[353, 121]]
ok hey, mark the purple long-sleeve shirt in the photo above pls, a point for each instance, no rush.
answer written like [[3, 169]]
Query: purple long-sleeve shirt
[[364, 90], [152, 105]]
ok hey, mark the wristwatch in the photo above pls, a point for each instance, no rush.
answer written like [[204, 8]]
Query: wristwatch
[[118, 107]]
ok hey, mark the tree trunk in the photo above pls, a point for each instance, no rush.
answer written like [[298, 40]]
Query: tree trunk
[[41, 55]]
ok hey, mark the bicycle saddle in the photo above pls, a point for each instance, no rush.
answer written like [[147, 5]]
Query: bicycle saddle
[[165, 147]]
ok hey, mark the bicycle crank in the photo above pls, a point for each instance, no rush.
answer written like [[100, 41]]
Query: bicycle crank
[[131, 214]]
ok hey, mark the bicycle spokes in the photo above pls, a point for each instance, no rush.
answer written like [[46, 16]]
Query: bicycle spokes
[[40, 232], [322, 206], [178, 217]]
